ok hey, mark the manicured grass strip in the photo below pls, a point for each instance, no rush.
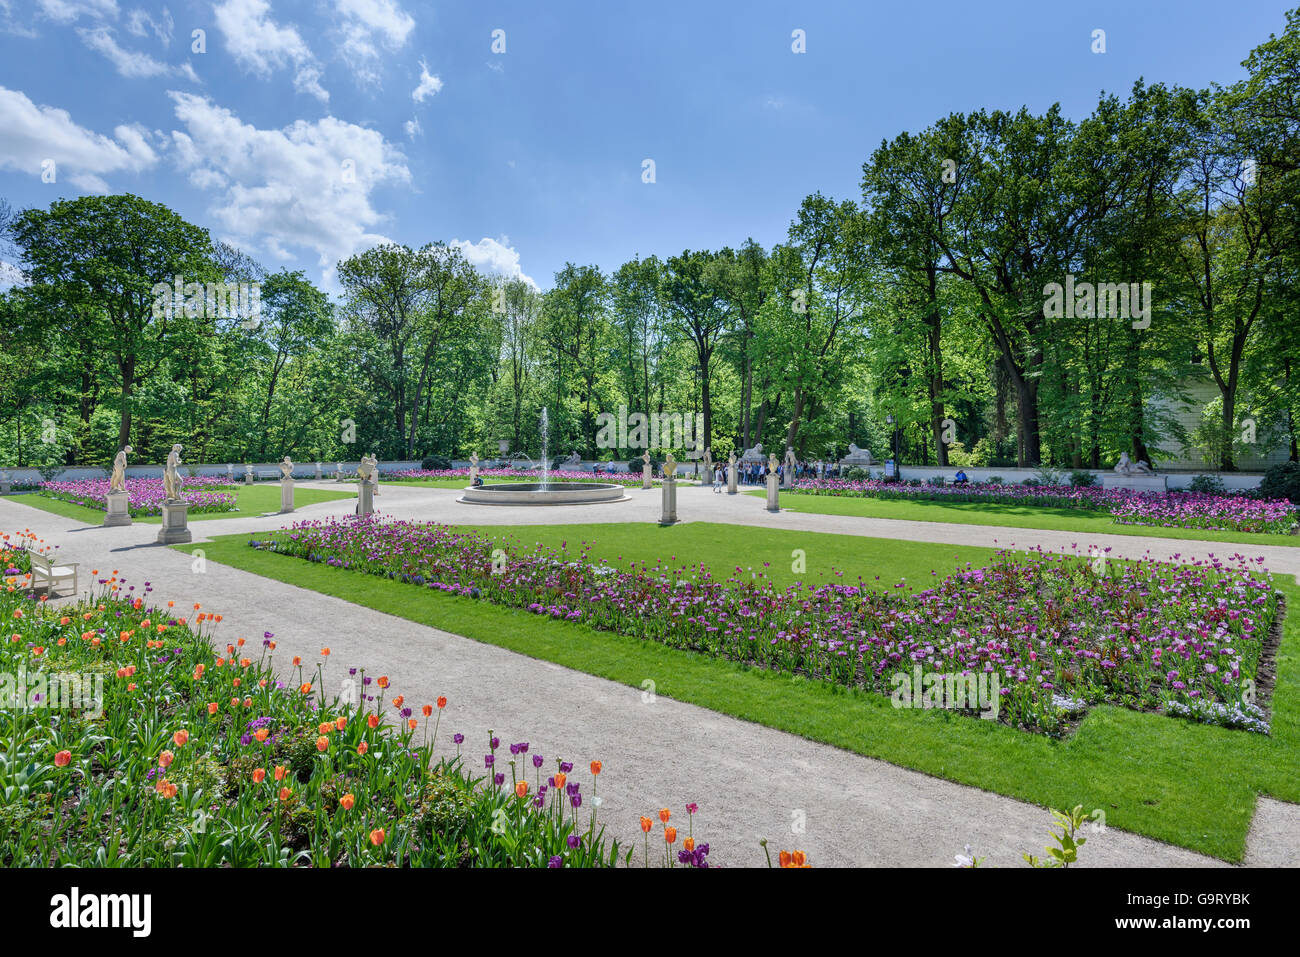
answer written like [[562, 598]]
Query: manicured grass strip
[[1190, 785], [1011, 516], [784, 555], [251, 499]]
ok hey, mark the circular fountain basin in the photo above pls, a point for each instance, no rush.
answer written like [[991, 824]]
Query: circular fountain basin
[[534, 493]]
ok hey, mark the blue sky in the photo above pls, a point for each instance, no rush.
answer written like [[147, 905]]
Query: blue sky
[[311, 129]]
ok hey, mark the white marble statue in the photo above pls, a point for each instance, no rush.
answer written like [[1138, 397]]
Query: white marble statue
[[1126, 467], [366, 468], [772, 463], [857, 456], [731, 457], [573, 460], [645, 456], [286, 468], [708, 461], [753, 455], [171, 477], [117, 481]]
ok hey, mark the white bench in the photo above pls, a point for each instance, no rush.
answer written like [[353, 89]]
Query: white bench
[[268, 475], [43, 567]]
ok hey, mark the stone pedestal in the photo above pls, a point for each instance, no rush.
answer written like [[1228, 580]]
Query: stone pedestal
[[773, 494], [5, 487], [473, 474], [118, 512], [732, 479], [175, 523], [645, 476], [365, 498], [787, 477], [286, 495], [668, 515], [1138, 482], [319, 472], [248, 477], [339, 475]]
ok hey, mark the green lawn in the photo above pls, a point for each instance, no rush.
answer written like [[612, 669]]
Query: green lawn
[[1012, 516], [1190, 785], [251, 499]]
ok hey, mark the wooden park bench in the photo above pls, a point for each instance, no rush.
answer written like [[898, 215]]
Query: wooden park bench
[[43, 567]]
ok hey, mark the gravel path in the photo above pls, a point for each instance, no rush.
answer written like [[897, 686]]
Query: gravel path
[[749, 781]]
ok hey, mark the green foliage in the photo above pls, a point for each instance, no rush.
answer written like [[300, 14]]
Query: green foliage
[[1068, 841], [1081, 479], [431, 462], [1282, 481], [1208, 484]]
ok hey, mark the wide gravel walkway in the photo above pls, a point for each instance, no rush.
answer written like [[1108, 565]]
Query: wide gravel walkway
[[749, 781]]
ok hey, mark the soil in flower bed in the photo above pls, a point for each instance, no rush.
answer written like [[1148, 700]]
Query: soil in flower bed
[[1058, 633]]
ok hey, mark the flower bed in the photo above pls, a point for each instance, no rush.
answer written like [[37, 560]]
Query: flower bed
[[1057, 633], [1238, 513], [182, 757], [513, 475], [145, 495]]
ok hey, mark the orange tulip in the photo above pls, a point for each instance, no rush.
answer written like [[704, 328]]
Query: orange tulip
[[377, 836], [180, 737], [346, 802], [297, 660], [259, 775], [284, 794], [325, 652], [521, 789], [261, 734], [165, 759], [442, 701], [322, 743], [427, 710], [382, 681], [362, 748], [399, 700], [560, 778], [306, 687], [212, 707], [664, 814], [646, 824], [595, 767], [280, 771], [689, 844], [373, 721], [670, 834], [63, 759]]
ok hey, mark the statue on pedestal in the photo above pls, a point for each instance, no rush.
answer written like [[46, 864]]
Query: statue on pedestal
[[117, 481], [171, 477], [1126, 467], [731, 459], [670, 466], [753, 455], [708, 462], [772, 463], [286, 468], [366, 469]]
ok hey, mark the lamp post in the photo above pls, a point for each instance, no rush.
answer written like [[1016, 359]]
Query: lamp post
[[891, 421]]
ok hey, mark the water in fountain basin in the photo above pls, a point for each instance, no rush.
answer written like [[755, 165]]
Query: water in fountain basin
[[546, 433]]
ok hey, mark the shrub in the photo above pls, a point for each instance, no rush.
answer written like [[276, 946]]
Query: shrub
[[856, 474], [1208, 484], [430, 462], [1282, 481], [995, 480], [634, 465], [1082, 479]]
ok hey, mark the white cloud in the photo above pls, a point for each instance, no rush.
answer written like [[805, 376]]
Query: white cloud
[[306, 185], [67, 11], [383, 17], [412, 127], [261, 46], [129, 64], [140, 22], [494, 256], [365, 26], [430, 84], [34, 134]]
